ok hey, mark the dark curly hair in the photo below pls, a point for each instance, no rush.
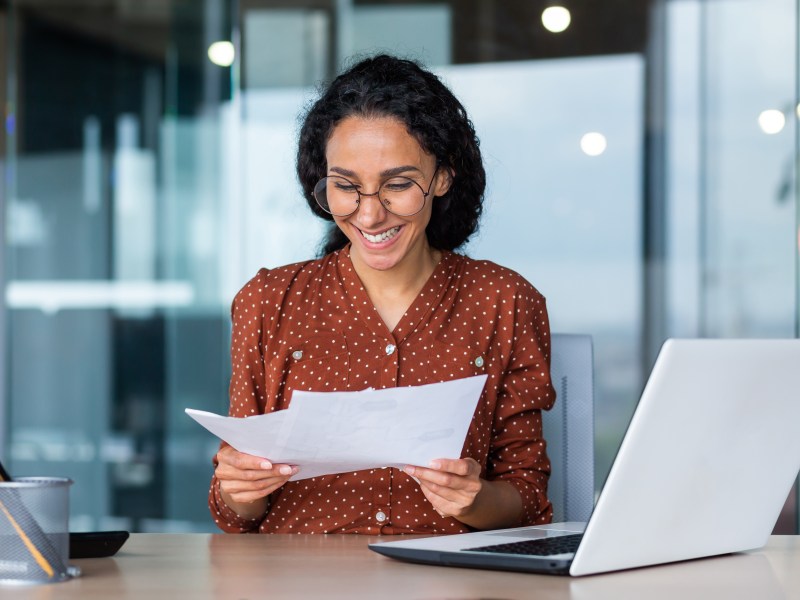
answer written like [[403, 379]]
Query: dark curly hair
[[384, 85]]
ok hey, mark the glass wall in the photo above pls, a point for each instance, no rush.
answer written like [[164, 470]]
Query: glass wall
[[149, 173], [731, 172], [113, 194]]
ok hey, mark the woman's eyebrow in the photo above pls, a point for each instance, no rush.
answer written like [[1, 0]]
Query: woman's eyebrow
[[399, 170], [386, 173]]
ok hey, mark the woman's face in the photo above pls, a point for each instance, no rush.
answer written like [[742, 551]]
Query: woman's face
[[368, 152]]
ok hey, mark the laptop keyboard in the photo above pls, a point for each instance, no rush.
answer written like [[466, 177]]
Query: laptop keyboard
[[562, 544]]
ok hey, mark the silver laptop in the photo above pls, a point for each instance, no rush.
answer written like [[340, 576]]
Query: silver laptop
[[704, 469]]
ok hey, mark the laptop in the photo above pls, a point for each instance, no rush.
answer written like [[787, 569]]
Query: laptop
[[706, 464]]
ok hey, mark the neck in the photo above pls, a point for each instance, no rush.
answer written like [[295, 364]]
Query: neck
[[403, 281]]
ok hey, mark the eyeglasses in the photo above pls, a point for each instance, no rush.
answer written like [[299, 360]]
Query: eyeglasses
[[399, 195]]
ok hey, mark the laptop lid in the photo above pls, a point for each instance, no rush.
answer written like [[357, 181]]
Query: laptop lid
[[706, 464], [708, 459]]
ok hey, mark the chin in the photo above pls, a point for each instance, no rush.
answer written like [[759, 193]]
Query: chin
[[379, 263]]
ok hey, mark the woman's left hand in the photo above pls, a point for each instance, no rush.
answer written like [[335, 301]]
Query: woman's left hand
[[451, 485]]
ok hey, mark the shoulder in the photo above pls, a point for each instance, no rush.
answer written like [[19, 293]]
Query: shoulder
[[488, 275], [274, 283]]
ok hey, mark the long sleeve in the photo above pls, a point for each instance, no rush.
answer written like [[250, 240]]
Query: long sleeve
[[247, 386], [518, 452]]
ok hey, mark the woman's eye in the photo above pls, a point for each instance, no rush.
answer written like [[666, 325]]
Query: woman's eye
[[343, 186], [397, 185]]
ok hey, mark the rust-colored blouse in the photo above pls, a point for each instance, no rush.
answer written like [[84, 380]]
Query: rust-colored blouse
[[311, 326]]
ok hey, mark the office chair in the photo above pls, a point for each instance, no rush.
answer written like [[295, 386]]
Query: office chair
[[569, 428]]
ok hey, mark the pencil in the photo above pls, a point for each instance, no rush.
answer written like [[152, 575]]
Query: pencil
[[37, 556], [23, 512]]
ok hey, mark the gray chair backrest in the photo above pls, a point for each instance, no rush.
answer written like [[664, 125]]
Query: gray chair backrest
[[569, 428]]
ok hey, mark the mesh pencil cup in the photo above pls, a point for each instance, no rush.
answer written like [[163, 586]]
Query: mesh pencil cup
[[34, 530]]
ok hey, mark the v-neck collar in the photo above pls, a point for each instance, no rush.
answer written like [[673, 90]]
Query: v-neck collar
[[429, 296]]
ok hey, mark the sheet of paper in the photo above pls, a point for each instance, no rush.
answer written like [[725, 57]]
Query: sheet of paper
[[337, 432]]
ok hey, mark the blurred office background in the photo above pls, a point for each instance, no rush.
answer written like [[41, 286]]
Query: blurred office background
[[642, 160]]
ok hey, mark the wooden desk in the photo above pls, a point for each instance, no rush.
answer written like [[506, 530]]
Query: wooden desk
[[199, 566]]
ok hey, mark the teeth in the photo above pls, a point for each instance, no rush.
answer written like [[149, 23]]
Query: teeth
[[375, 239]]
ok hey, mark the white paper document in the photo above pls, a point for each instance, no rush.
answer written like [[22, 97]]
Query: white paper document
[[337, 432]]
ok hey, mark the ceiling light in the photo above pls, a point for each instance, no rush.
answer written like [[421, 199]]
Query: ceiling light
[[556, 18], [221, 53], [593, 143], [771, 121]]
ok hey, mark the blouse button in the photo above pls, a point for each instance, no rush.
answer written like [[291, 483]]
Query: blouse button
[[297, 354], [380, 517], [389, 348], [479, 362]]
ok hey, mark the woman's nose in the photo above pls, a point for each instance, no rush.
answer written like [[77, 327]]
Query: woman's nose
[[371, 209]]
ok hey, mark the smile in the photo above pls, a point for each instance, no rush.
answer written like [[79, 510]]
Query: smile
[[381, 237]]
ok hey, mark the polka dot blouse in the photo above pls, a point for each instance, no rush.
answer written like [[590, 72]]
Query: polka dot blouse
[[311, 326]]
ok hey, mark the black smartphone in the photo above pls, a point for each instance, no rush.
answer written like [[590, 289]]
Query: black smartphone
[[95, 544]]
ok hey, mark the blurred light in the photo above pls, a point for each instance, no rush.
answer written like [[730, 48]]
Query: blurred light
[[593, 143], [53, 296], [221, 53], [556, 19], [771, 121]]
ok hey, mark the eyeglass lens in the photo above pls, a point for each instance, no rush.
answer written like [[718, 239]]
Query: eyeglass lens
[[399, 195]]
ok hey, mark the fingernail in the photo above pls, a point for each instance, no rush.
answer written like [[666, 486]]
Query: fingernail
[[435, 464], [409, 469], [266, 465], [286, 470]]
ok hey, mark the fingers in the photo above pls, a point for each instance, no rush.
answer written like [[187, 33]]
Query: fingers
[[449, 502], [231, 459], [447, 473], [245, 496], [246, 478], [460, 466], [240, 460], [450, 485], [246, 486]]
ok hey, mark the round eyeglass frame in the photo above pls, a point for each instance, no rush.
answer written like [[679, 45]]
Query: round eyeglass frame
[[376, 193]]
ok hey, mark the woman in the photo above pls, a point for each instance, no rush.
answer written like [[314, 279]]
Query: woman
[[388, 154]]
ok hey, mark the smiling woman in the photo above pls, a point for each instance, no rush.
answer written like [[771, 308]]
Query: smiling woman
[[369, 149], [388, 155], [386, 88]]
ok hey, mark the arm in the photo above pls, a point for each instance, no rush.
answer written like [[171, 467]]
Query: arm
[[238, 497], [246, 481], [517, 454], [455, 489], [513, 489]]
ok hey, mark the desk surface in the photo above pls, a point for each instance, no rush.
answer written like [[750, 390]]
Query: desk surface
[[246, 567]]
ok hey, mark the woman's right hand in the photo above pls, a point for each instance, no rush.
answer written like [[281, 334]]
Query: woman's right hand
[[246, 480]]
